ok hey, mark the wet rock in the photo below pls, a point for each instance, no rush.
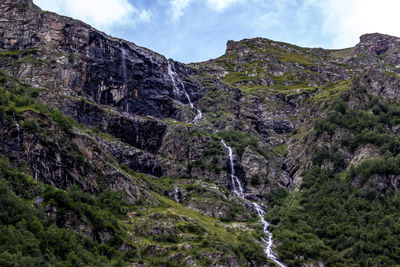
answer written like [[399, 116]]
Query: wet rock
[[146, 134]]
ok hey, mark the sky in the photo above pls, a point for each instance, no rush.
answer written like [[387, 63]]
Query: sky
[[197, 30]]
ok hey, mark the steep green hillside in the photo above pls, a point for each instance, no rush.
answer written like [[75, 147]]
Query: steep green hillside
[[346, 214]]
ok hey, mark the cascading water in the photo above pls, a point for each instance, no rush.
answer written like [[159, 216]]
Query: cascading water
[[176, 194], [268, 242], [237, 186], [137, 131], [187, 95], [18, 131], [154, 168], [238, 190], [171, 74], [123, 66], [178, 93], [198, 117]]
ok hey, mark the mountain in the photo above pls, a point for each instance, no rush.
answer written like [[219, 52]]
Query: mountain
[[270, 155]]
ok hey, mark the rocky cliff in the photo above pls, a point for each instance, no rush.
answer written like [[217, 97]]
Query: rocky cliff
[[118, 150]]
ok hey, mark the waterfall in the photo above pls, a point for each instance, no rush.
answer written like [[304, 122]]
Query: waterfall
[[199, 114], [176, 194], [147, 160], [187, 95], [172, 74], [268, 242], [123, 55], [18, 131], [238, 190], [137, 131], [198, 117], [237, 186], [154, 167]]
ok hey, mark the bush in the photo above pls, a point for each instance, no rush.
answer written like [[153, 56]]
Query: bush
[[255, 180], [64, 122], [30, 126], [239, 141]]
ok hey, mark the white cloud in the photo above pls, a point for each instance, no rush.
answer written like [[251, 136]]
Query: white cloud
[[102, 14], [220, 5], [178, 7], [346, 20]]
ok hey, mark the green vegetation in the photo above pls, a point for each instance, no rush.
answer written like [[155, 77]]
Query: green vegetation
[[18, 53], [218, 238], [239, 140], [237, 77], [30, 238], [17, 98], [281, 149], [341, 217], [343, 53], [253, 75], [331, 91], [284, 52], [15, 58], [41, 225]]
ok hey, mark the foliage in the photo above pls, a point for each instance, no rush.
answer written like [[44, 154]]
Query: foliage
[[31, 126], [28, 237], [239, 140], [64, 122], [281, 149], [17, 98], [340, 217]]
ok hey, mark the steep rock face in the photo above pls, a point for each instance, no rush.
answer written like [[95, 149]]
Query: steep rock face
[[146, 134], [377, 44], [381, 84], [91, 64], [63, 160]]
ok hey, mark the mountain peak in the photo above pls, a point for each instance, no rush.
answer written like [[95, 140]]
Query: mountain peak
[[376, 37], [377, 43]]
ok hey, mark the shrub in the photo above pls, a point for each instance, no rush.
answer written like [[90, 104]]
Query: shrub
[[30, 126], [64, 122]]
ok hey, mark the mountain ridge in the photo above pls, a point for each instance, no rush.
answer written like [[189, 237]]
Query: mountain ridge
[[100, 149]]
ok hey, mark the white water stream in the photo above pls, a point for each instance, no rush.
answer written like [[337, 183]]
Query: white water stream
[[172, 74], [176, 194], [18, 130], [236, 185], [198, 117], [123, 55], [238, 190], [268, 242]]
